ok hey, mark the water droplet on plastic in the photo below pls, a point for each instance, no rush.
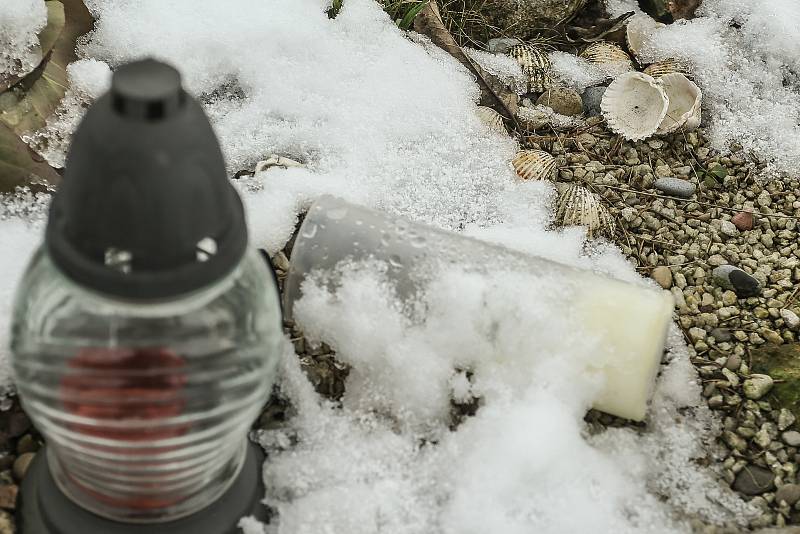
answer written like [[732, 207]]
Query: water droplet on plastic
[[337, 214], [359, 222], [309, 230], [417, 241], [395, 261]]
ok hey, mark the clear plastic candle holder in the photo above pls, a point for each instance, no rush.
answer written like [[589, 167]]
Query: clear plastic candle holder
[[631, 321]]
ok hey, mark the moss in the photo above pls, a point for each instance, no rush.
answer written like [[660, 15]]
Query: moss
[[782, 363]]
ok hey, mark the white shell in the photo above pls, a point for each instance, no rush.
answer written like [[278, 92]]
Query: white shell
[[634, 105], [668, 66], [603, 52], [491, 118], [685, 98], [639, 29], [534, 165], [577, 206], [276, 161]]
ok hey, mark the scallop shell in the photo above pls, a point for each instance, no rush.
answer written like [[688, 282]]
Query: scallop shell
[[534, 165], [634, 105], [638, 31], [668, 66], [529, 56], [535, 65], [491, 118], [685, 98], [577, 206], [606, 52]]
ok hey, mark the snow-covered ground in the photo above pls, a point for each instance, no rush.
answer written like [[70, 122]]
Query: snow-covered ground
[[388, 121]]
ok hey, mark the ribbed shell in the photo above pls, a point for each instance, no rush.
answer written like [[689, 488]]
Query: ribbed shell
[[606, 52], [535, 65], [634, 105], [534, 165], [577, 206], [668, 66], [491, 118]]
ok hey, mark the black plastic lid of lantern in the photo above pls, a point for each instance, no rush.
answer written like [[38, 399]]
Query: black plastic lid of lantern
[[145, 210]]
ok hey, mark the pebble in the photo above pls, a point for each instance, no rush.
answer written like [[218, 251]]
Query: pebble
[[21, 465], [727, 228], [27, 444], [756, 386], [743, 220], [663, 276], [791, 438], [675, 187], [785, 419], [6, 523], [790, 319], [733, 362], [501, 45], [8, 496], [790, 493], [562, 100], [754, 480], [591, 97], [730, 277]]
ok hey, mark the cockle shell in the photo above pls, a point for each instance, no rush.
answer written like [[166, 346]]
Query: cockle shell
[[491, 118], [684, 111], [535, 65], [577, 206], [606, 52], [534, 165], [634, 105], [639, 29], [668, 66]]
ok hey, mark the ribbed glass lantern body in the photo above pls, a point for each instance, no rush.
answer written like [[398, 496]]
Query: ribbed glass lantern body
[[145, 406]]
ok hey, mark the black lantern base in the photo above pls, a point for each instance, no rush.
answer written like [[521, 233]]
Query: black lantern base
[[44, 509]]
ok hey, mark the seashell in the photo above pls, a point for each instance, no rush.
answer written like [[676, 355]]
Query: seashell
[[638, 31], [668, 66], [685, 99], [577, 206], [491, 118], [634, 105], [743, 220], [606, 52], [534, 165], [276, 161], [535, 65], [529, 56]]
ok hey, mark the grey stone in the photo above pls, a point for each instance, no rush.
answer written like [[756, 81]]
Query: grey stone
[[733, 278], [754, 480], [789, 493], [756, 386], [785, 419], [501, 45], [727, 228], [675, 187], [790, 319], [722, 335], [791, 438], [592, 96]]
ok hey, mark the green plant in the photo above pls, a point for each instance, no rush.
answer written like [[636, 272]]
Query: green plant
[[403, 12]]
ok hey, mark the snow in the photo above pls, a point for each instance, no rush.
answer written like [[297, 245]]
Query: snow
[[20, 23], [388, 121], [744, 56]]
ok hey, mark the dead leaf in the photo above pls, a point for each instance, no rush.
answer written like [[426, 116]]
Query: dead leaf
[[601, 30], [683, 9], [21, 166], [429, 22], [26, 106]]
